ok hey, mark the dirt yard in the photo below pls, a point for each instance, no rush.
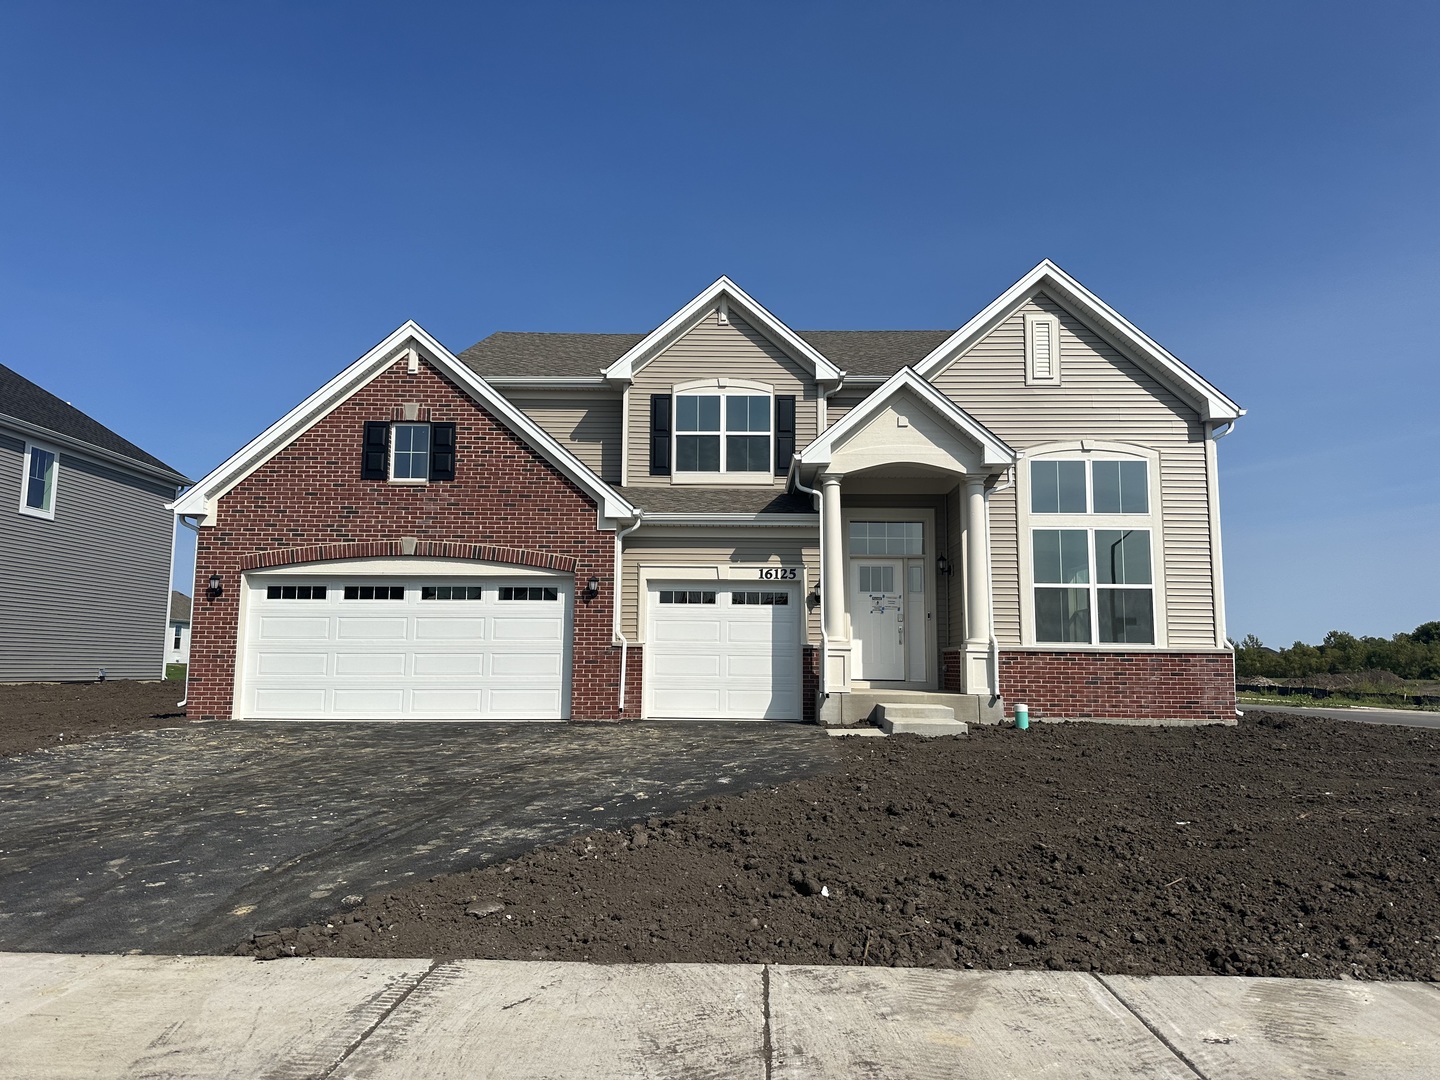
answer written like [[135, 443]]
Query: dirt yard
[[1284, 847], [41, 716]]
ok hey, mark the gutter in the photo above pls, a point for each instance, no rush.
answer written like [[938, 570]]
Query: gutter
[[615, 603], [1005, 485], [180, 520]]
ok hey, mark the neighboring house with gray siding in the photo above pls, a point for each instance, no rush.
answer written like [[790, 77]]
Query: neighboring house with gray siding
[[86, 543], [177, 634]]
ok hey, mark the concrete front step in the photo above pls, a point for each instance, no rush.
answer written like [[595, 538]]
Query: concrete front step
[[914, 719], [859, 707]]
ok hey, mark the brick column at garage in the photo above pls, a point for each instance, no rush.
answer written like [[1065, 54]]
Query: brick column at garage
[[310, 495]]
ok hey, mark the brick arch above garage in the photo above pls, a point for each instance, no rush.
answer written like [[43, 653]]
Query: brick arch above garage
[[514, 556]]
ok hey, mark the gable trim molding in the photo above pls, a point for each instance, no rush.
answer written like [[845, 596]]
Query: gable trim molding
[[200, 501], [1084, 304]]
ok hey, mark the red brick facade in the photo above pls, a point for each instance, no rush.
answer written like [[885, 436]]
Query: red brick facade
[[1120, 686], [506, 504]]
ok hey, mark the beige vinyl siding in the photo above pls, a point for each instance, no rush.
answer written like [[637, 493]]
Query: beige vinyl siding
[[1102, 395], [837, 405], [769, 547], [711, 351], [89, 589], [586, 424]]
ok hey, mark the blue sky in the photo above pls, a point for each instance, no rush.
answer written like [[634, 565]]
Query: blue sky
[[206, 211]]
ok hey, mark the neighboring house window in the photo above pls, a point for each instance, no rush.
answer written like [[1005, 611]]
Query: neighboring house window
[[408, 453], [176, 645], [1094, 579], [1042, 349], [722, 428], [37, 494]]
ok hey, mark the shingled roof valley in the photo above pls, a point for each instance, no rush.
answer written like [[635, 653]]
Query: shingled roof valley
[[23, 400], [509, 354]]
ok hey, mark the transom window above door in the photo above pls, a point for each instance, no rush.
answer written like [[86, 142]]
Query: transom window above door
[[724, 432], [887, 538]]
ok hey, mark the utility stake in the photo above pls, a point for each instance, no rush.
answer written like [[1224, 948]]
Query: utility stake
[[1175, 882]]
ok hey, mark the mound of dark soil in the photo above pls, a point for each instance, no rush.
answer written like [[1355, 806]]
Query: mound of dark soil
[[1284, 847], [39, 716]]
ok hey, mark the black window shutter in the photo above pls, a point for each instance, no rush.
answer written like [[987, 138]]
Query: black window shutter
[[784, 432], [659, 434], [442, 451], [377, 448]]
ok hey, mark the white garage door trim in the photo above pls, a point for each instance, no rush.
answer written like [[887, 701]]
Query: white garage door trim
[[717, 659], [501, 653]]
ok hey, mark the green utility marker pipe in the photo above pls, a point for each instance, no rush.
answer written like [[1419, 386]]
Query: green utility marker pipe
[[1022, 717]]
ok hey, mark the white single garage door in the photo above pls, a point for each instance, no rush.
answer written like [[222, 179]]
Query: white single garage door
[[405, 648], [724, 651]]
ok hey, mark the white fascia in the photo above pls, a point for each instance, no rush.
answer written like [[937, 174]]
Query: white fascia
[[789, 521], [1049, 278], [995, 451], [674, 327], [201, 499]]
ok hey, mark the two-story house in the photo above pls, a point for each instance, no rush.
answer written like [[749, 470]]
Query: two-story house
[[728, 518], [86, 539]]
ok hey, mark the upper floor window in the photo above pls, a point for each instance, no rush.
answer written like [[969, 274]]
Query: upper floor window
[[1089, 487], [408, 453], [37, 493], [722, 432]]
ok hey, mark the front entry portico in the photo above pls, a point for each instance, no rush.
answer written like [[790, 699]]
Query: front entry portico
[[905, 480]]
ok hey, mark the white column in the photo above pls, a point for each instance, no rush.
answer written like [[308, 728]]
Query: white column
[[832, 561], [977, 562]]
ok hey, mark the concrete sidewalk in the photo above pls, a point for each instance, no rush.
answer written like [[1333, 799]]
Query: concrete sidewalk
[[217, 1017]]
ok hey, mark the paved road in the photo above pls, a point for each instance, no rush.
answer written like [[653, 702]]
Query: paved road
[[1396, 717], [186, 840], [168, 1018]]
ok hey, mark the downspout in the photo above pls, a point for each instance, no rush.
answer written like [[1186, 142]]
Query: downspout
[[1004, 485], [824, 586], [615, 603]]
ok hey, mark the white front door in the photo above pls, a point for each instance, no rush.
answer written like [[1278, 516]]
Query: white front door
[[877, 619]]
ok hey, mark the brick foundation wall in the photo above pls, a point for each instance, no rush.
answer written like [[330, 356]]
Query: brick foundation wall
[[1120, 686], [952, 674], [504, 498], [809, 683]]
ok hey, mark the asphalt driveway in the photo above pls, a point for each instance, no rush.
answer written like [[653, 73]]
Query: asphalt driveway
[[186, 840]]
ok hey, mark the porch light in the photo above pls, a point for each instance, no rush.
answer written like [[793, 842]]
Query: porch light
[[592, 587], [216, 586], [942, 564]]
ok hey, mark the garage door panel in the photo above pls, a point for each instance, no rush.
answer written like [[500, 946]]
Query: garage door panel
[[694, 702], [449, 663], [683, 665], [351, 628], [439, 629], [528, 629], [692, 630], [291, 628], [288, 663], [405, 657], [524, 664], [762, 703], [746, 632], [741, 666], [370, 664]]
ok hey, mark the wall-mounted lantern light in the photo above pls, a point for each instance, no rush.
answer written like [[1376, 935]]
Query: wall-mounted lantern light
[[942, 564], [216, 587], [592, 587]]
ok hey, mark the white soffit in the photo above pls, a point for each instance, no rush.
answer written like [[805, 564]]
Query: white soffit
[[200, 499], [1080, 301], [995, 451], [675, 327]]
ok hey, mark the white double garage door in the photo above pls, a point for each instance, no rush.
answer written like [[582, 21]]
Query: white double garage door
[[375, 640], [404, 640]]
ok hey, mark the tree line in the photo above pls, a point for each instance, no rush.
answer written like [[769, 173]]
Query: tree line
[[1415, 655]]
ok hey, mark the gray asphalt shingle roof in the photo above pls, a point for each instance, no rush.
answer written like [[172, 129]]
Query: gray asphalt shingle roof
[[24, 400], [525, 355], [662, 499]]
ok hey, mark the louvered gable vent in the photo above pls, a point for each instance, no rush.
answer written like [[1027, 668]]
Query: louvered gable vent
[[1042, 349]]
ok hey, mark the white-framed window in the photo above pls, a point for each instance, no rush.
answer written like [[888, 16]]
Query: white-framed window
[[724, 429], [1042, 349], [410, 453], [1093, 558], [37, 485]]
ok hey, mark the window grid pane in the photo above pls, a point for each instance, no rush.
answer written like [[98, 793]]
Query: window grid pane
[[1126, 616], [529, 592], [887, 538], [747, 453], [1062, 556], [40, 486], [697, 453], [1122, 557], [1062, 615], [411, 452], [682, 596], [374, 592]]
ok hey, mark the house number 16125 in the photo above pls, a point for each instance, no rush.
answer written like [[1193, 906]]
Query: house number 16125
[[779, 573]]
